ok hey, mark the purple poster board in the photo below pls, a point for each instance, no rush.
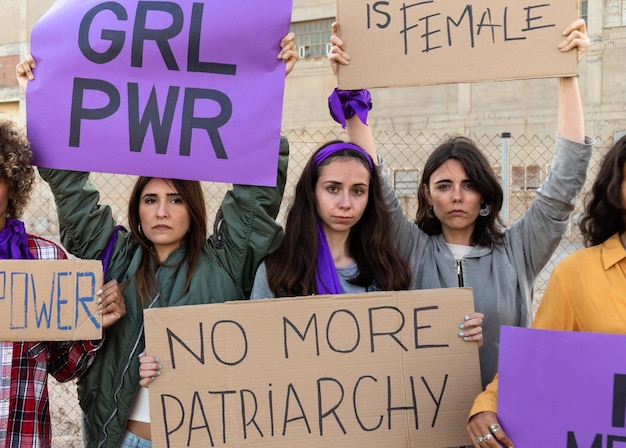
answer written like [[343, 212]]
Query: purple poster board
[[177, 89], [562, 389]]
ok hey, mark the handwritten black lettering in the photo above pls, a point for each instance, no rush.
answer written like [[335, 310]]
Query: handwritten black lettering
[[379, 315], [377, 8], [343, 326]]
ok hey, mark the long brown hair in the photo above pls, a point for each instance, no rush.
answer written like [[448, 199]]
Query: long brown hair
[[193, 197], [290, 269], [604, 212], [487, 229]]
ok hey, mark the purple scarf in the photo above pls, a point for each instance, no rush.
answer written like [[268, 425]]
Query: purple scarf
[[106, 255], [344, 104], [14, 242], [326, 276]]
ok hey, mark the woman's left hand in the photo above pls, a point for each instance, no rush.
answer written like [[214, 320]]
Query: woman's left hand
[[472, 328], [149, 369], [485, 431], [288, 52], [111, 303]]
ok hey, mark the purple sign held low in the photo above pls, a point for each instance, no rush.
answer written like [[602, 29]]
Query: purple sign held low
[[176, 89], [562, 389]]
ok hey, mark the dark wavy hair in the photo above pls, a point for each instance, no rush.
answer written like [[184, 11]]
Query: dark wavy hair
[[193, 197], [488, 229], [15, 167], [290, 269], [604, 213]]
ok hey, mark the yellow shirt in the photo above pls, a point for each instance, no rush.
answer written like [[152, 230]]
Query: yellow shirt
[[586, 292]]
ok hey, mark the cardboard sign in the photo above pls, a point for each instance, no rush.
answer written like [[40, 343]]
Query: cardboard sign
[[49, 300], [562, 389], [451, 41], [174, 89], [376, 369]]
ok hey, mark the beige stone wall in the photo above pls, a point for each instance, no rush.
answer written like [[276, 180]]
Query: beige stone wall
[[519, 107]]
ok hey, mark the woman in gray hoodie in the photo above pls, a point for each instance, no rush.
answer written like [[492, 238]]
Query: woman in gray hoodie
[[456, 239]]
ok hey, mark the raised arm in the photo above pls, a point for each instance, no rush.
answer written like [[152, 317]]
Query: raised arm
[[245, 230], [358, 132], [571, 124]]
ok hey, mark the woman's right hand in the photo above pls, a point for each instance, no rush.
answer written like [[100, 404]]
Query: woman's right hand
[[24, 71], [575, 36], [337, 54], [149, 369]]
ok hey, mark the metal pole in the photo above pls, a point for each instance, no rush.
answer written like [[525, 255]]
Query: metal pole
[[506, 183]]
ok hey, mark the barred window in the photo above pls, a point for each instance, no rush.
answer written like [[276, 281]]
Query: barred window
[[313, 37], [406, 182], [528, 177]]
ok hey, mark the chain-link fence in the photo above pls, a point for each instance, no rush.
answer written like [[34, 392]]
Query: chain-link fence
[[404, 154]]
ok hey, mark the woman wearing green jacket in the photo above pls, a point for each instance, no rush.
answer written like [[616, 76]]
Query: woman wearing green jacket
[[165, 259]]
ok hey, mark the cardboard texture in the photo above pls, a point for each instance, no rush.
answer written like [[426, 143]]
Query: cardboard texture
[[444, 41], [376, 369], [49, 300]]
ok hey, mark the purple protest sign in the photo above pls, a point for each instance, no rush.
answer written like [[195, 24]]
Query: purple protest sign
[[562, 389], [189, 90]]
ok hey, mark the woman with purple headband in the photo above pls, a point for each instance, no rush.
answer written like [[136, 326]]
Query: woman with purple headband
[[339, 221], [457, 238]]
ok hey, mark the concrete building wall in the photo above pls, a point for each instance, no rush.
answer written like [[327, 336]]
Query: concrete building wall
[[519, 107], [17, 19]]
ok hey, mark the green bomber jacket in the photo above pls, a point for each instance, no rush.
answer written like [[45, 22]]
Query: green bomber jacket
[[245, 231]]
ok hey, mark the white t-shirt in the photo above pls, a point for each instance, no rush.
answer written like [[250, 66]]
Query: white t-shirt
[[140, 412], [459, 250]]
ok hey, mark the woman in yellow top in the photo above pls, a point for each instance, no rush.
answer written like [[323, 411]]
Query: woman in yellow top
[[586, 289]]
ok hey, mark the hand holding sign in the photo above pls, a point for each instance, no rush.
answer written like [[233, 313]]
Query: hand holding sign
[[149, 369], [576, 37], [288, 53], [485, 430], [111, 303]]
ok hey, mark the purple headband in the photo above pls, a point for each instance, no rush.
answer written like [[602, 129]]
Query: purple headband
[[333, 148]]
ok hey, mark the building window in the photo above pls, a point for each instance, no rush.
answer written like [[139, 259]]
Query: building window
[[527, 177], [583, 9], [614, 13], [406, 182], [313, 37]]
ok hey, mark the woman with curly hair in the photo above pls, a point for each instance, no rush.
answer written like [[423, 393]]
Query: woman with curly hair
[[17, 174], [25, 422]]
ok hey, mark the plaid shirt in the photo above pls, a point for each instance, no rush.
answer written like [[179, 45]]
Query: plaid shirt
[[24, 410]]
